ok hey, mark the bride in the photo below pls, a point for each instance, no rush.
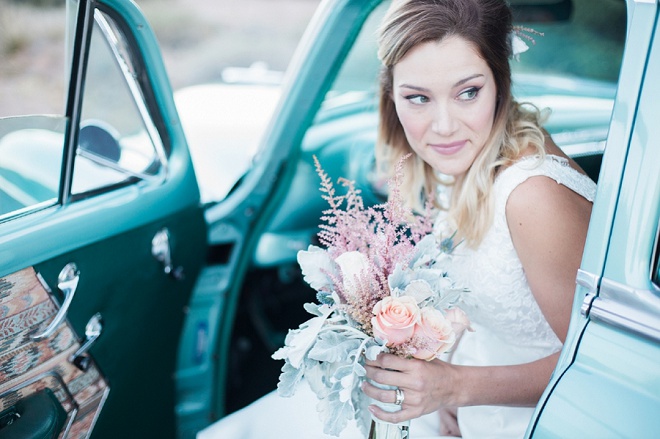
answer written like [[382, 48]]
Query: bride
[[520, 207]]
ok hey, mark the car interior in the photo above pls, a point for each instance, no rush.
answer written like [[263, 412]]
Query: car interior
[[343, 135]]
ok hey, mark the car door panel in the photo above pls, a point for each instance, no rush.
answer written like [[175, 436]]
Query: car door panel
[[609, 386], [142, 309], [138, 285]]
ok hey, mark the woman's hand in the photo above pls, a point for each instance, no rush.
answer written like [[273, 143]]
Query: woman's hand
[[427, 386]]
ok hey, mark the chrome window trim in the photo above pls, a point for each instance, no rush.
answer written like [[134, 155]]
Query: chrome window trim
[[121, 50], [655, 261], [583, 149], [636, 311]]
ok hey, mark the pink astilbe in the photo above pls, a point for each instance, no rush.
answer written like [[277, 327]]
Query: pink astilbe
[[385, 233]]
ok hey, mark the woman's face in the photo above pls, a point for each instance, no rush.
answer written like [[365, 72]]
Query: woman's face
[[445, 97]]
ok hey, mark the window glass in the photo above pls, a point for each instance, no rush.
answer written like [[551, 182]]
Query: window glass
[[576, 43], [35, 52], [117, 139], [226, 61]]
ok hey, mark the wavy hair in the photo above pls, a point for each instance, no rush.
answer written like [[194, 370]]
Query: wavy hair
[[486, 24]]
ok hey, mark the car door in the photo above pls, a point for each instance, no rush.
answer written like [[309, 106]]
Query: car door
[[101, 233], [607, 382]]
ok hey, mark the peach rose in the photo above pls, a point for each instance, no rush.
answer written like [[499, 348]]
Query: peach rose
[[394, 319], [434, 334], [459, 320]]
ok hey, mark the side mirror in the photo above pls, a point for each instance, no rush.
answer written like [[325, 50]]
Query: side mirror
[[96, 142]]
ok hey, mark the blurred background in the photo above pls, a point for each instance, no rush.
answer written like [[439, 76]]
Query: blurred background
[[199, 39], [204, 41]]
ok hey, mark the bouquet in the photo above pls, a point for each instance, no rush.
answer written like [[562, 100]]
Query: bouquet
[[382, 286]]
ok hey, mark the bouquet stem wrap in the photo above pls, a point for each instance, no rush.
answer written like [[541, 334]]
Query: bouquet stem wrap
[[386, 430]]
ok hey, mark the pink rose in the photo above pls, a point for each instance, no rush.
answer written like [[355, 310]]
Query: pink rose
[[395, 319], [434, 334], [459, 320]]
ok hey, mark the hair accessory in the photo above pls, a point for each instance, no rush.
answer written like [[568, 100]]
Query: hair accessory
[[517, 39]]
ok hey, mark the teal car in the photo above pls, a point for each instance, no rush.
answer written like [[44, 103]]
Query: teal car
[[148, 266]]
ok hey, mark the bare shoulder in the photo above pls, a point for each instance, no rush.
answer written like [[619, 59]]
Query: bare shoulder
[[542, 200], [548, 223]]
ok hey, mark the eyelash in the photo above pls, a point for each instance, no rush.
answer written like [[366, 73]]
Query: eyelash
[[411, 99], [472, 90]]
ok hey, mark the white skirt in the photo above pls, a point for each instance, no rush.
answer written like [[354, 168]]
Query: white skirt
[[275, 417]]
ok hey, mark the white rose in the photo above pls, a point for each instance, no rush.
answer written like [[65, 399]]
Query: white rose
[[352, 265]]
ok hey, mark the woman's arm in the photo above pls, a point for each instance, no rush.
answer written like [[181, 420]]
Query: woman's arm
[[432, 385], [548, 224]]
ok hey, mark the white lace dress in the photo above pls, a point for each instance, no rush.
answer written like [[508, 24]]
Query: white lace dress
[[509, 326], [510, 329]]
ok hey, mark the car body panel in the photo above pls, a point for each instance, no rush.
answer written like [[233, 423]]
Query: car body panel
[[606, 382]]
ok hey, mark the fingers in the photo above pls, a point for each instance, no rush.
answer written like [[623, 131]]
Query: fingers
[[404, 414], [387, 396], [389, 361]]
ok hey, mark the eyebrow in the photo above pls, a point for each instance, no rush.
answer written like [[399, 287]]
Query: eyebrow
[[457, 84]]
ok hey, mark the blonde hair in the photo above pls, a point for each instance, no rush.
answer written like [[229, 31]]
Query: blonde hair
[[516, 128]]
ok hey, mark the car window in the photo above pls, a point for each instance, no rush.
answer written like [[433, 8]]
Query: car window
[[33, 85], [117, 141], [226, 61], [576, 42], [117, 138]]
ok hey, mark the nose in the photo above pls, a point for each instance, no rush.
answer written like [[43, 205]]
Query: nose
[[444, 122]]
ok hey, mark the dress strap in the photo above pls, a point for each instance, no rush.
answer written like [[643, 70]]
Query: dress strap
[[551, 166]]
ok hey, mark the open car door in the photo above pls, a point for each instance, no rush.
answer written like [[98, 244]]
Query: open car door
[[101, 239]]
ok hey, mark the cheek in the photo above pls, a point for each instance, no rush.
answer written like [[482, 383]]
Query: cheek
[[413, 125], [482, 120]]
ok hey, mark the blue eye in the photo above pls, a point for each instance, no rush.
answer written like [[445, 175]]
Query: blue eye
[[469, 94], [417, 99]]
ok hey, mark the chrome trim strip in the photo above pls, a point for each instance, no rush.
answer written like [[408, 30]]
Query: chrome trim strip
[[29, 209], [581, 149], [587, 280], [588, 300], [629, 309], [104, 397], [624, 318], [120, 50]]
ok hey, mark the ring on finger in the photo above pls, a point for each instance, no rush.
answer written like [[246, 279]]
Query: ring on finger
[[398, 396]]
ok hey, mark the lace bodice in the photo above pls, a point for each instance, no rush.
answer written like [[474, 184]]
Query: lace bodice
[[504, 305]]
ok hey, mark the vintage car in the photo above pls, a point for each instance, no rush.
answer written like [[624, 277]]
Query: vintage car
[[148, 238]]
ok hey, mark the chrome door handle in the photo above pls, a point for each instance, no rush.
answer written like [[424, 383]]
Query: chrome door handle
[[92, 331], [67, 282], [161, 250]]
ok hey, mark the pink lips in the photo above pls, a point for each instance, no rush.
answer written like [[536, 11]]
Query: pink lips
[[448, 148]]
